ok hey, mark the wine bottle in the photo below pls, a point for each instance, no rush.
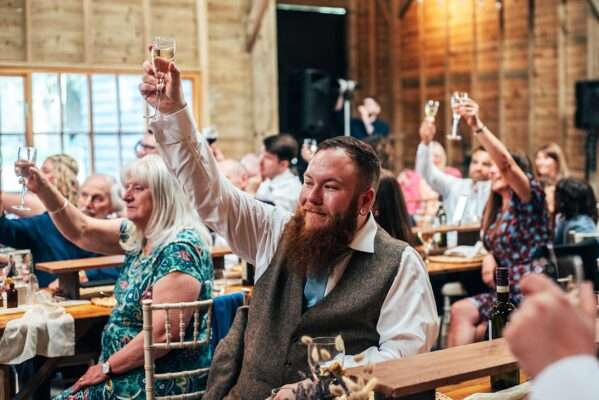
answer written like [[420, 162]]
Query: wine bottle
[[12, 296], [441, 221], [502, 308], [247, 274]]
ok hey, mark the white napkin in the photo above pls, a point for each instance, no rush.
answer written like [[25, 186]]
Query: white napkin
[[467, 251], [45, 329], [514, 393]]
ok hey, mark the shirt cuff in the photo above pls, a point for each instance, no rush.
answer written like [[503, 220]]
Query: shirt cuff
[[562, 378], [174, 128]]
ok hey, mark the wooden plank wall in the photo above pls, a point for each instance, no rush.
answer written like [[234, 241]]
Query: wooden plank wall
[[240, 97]]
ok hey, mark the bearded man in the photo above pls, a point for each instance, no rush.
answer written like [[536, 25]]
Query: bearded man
[[326, 270]]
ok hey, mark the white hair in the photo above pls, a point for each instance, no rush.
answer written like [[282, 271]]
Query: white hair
[[116, 192], [171, 211]]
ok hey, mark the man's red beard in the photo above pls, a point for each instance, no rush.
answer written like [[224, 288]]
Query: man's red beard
[[316, 250]]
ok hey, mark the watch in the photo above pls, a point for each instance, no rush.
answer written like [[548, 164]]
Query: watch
[[106, 368]]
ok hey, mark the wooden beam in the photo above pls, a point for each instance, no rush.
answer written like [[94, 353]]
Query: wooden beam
[[28, 32], [203, 54], [562, 55], [404, 8], [422, 59], [395, 75], [474, 90], [7, 67], [88, 31], [531, 78], [371, 47], [147, 21], [385, 11], [255, 22], [501, 75], [447, 76]]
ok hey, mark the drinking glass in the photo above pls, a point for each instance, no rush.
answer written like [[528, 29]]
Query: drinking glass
[[323, 352], [456, 100], [431, 107], [163, 54], [25, 157]]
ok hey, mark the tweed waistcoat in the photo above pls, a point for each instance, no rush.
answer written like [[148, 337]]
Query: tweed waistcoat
[[273, 354]]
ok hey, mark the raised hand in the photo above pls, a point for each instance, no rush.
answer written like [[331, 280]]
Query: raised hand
[[427, 131], [171, 92], [469, 110]]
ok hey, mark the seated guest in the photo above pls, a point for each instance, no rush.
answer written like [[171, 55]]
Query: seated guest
[[61, 170], [146, 145], [550, 167], [476, 188], [40, 235], [166, 260], [235, 172], [390, 211], [575, 208], [515, 223], [325, 270], [368, 123], [279, 186], [251, 163], [553, 340]]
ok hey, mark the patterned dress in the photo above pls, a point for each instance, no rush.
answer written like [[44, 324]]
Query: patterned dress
[[512, 239], [187, 254]]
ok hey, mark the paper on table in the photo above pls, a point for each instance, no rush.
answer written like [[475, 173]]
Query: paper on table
[[467, 251]]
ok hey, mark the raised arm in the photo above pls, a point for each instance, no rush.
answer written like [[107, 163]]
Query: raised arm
[[96, 235], [251, 228], [509, 169], [439, 181]]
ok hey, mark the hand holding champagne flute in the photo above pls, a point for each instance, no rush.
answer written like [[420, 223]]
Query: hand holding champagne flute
[[25, 158], [168, 90], [162, 51]]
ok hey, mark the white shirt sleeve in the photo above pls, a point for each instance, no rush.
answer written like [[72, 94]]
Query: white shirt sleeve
[[408, 323], [251, 228], [438, 180], [574, 377]]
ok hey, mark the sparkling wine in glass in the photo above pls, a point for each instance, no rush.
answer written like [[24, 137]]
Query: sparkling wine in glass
[[431, 107], [456, 100], [25, 157], [324, 352], [163, 54]]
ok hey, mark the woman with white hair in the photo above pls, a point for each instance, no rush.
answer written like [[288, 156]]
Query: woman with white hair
[[166, 260]]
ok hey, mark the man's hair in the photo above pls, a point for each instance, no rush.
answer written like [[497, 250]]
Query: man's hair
[[283, 146], [363, 156], [116, 190], [574, 197]]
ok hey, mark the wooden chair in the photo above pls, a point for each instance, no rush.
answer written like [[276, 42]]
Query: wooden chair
[[200, 308]]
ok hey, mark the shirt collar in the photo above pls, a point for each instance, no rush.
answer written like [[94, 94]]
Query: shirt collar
[[364, 238]]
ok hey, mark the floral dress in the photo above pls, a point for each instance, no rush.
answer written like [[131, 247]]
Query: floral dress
[[512, 239], [187, 254]]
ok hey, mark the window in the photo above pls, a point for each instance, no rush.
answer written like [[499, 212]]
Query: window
[[95, 118]]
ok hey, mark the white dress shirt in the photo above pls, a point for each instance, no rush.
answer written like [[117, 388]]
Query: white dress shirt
[[408, 322], [283, 190], [574, 377], [451, 188]]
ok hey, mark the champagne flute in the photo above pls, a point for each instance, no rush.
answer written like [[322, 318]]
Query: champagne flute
[[25, 157], [431, 107], [456, 100], [163, 54]]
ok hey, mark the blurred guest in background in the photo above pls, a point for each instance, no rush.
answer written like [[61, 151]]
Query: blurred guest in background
[[251, 163], [575, 209], [146, 145], [279, 187], [515, 223], [550, 167], [390, 211], [368, 122], [235, 172]]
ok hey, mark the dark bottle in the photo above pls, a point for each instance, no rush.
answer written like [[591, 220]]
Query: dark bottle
[[442, 221], [500, 313], [12, 296], [247, 274]]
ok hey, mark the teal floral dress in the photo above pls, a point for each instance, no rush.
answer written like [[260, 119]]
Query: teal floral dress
[[187, 254]]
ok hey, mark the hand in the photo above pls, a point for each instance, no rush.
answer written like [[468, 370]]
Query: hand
[[92, 376], [548, 326], [488, 270], [171, 93], [469, 110], [287, 392], [35, 179], [427, 131], [307, 154]]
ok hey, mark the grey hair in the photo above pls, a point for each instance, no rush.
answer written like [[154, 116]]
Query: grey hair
[[116, 191], [172, 211]]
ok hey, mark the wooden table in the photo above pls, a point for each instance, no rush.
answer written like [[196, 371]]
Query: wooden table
[[467, 234], [85, 316], [450, 264], [68, 270]]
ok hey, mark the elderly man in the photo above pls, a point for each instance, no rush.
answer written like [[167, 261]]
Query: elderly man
[[475, 190], [98, 197], [235, 172], [325, 270]]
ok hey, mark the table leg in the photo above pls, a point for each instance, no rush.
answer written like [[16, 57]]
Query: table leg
[[219, 266], [68, 285]]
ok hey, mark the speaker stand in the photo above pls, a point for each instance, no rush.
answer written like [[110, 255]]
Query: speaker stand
[[590, 148], [346, 116]]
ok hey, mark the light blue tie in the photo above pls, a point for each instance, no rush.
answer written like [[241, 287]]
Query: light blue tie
[[315, 288]]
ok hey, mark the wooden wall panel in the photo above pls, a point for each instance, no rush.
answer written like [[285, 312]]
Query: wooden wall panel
[[12, 34], [52, 45], [178, 20]]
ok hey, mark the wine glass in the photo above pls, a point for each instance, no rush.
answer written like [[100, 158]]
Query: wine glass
[[431, 107], [324, 352], [163, 54], [456, 100], [25, 157]]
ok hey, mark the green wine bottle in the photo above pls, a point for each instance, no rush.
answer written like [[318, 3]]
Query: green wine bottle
[[500, 313]]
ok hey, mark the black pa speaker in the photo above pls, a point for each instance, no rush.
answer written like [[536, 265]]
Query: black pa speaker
[[587, 105], [316, 106]]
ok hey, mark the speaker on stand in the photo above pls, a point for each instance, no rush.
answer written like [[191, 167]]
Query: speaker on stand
[[587, 117]]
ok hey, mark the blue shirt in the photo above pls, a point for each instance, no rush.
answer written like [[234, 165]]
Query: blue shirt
[[358, 130], [578, 224], [40, 235]]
